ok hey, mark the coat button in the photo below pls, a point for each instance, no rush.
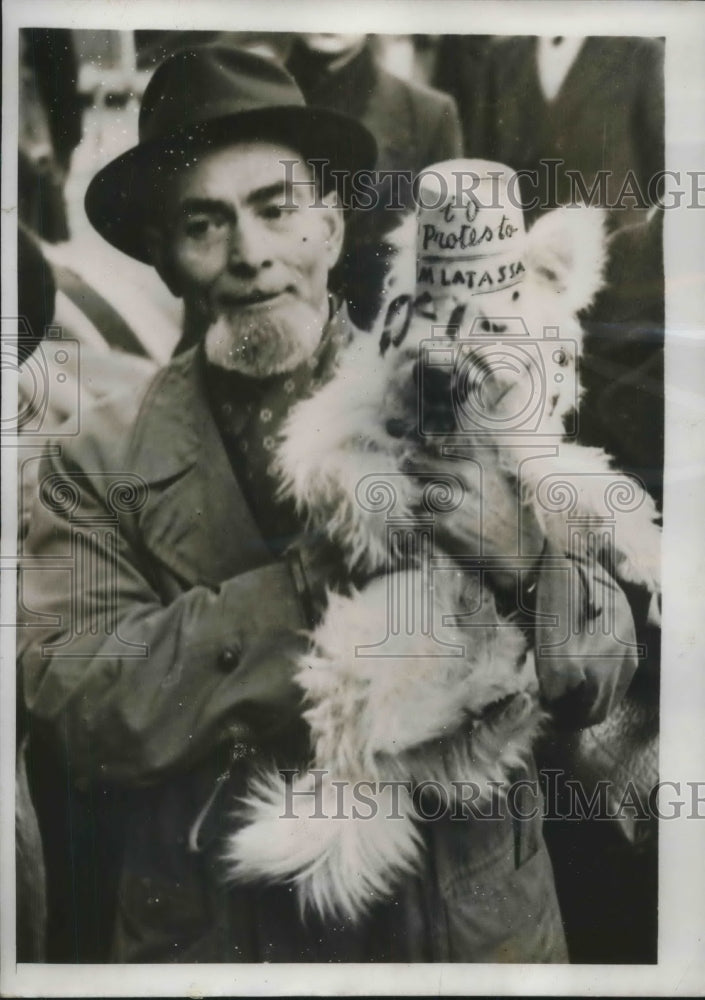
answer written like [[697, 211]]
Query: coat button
[[229, 658]]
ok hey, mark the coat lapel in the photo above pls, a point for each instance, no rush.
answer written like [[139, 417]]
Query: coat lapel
[[196, 521]]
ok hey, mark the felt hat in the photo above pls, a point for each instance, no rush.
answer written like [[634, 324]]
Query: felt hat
[[214, 93]]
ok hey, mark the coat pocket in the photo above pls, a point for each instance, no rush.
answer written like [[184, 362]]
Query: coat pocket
[[506, 913]]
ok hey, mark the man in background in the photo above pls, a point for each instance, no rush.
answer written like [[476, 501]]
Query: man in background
[[414, 126]]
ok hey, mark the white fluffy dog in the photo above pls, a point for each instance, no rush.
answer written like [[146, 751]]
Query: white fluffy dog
[[383, 702]]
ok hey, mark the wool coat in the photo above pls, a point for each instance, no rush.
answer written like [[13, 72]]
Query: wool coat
[[414, 125], [142, 691], [606, 120]]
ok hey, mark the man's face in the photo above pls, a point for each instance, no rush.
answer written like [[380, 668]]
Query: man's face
[[250, 252], [333, 45]]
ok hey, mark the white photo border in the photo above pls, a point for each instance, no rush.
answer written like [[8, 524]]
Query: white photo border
[[681, 965]]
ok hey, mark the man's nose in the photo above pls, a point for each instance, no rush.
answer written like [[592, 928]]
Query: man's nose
[[247, 248]]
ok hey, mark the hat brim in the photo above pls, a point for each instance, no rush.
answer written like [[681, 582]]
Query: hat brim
[[119, 197]]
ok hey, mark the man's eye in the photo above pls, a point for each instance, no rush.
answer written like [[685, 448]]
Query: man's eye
[[274, 212], [202, 226], [561, 357]]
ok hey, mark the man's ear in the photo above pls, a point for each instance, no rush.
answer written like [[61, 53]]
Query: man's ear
[[335, 227], [156, 242]]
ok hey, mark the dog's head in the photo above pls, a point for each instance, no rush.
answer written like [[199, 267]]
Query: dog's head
[[504, 361]]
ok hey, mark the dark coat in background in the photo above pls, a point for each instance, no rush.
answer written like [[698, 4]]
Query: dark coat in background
[[622, 369], [52, 54], [414, 125], [607, 115], [460, 69], [51, 127]]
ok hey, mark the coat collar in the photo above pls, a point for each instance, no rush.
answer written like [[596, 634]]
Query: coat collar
[[176, 428], [196, 520]]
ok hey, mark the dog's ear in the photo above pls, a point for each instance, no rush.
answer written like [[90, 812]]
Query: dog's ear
[[566, 253]]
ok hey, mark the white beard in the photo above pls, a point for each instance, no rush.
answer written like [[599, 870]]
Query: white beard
[[263, 343]]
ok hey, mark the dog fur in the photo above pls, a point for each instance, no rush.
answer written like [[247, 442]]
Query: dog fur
[[416, 716]]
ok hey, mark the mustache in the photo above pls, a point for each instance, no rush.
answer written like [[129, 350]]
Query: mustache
[[236, 297]]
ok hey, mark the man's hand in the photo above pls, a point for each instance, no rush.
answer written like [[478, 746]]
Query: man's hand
[[270, 703], [271, 699], [585, 650], [490, 521]]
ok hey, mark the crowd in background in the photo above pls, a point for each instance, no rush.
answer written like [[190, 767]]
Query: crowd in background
[[551, 108], [587, 105]]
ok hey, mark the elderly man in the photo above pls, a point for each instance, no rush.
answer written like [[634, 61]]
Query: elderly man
[[167, 607]]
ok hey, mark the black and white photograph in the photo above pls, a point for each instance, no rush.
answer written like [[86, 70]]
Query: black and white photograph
[[353, 439]]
